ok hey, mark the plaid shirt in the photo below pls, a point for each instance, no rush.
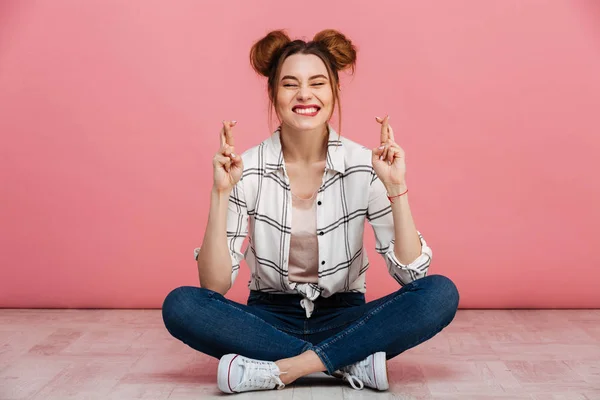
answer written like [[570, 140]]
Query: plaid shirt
[[260, 205]]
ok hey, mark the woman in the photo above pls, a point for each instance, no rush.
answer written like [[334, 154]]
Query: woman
[[302, 197]]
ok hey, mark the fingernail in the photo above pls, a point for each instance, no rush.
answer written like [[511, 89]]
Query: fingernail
[[381, 156], [234, 122], [389, 163], [376, 117], [233, 155], [380, 147]]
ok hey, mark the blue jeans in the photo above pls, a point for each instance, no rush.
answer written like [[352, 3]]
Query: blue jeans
[[342, 330]]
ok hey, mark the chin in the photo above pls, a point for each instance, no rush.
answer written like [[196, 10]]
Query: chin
[[309, 124], [306, 123]]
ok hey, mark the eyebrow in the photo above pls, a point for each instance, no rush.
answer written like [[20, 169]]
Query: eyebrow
[[312, 77]]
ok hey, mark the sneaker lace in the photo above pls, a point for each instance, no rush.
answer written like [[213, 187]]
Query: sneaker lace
[[356, 374], [260, 375]]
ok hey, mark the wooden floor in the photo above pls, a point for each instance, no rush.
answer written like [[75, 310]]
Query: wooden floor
[[128, 354]]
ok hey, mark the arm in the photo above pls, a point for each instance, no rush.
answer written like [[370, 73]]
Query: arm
[[407, 246], [406, 253], [220, 255]]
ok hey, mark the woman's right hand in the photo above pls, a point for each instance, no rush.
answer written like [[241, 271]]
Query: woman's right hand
[[227, 165]]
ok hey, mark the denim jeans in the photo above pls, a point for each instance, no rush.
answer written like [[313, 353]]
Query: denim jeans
[[342, 330]]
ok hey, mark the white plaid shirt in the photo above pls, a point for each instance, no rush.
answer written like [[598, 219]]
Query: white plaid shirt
[[260, 204]]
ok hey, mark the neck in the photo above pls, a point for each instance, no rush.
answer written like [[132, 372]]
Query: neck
[[304, 146]]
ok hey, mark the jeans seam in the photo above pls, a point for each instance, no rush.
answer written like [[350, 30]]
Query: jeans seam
[[308, 346], [324, 359], [362, 321]]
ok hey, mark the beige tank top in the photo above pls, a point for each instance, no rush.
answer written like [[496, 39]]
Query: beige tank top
[[303, 263]]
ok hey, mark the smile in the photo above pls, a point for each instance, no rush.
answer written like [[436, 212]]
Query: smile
[[309, 112]]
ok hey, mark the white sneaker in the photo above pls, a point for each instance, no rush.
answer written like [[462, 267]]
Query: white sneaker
[[371, 372], [237, 373]]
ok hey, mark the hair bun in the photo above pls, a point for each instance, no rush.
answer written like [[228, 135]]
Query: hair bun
[[341, 49], [266, 50]]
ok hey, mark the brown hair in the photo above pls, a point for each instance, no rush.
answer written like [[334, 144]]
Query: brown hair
[[337, 52]]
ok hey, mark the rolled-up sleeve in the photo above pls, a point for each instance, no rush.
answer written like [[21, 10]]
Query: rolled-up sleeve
[[379, 215], [237, 228]]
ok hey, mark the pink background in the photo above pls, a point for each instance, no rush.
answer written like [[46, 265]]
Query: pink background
[[110, 112]]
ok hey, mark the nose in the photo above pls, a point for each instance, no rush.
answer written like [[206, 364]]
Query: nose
[[304, 93]]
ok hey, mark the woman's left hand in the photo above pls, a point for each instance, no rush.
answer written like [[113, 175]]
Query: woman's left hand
[[388, 159]]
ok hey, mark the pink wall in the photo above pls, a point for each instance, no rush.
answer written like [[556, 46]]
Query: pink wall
[[110, 111]]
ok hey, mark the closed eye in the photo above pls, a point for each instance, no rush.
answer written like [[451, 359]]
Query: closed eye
[[292, 85]]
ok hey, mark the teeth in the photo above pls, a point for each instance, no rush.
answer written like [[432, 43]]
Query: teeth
[[305, 110]]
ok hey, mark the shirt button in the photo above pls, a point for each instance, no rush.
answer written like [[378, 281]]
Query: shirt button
[[322, 262], [321, 233], [319, 202]]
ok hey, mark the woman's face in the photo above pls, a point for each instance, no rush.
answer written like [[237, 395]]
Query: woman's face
[[303, 82]]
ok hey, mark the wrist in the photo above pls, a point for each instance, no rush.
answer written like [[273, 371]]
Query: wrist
[[220, 192], [396, 189]]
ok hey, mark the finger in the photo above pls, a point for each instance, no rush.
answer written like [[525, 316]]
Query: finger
[[375, 153], [226, 129], [230, 139], [227, 164], [397, 147], [220, 159], [222, 135], [384, 130], [228, 150], [235, 160], [392, 153], [229, 131], [387, 154], [390, 132], [383, 155], [382, 135]]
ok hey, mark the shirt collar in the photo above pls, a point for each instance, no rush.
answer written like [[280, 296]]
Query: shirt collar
[[274, 153]]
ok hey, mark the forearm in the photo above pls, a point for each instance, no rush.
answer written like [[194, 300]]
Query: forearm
[[214, 261], [407, 245]]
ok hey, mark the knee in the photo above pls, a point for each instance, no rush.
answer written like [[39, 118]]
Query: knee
[[180, 303], [444, 291]]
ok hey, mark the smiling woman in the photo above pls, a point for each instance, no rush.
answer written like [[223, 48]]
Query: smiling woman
[[302, 196]]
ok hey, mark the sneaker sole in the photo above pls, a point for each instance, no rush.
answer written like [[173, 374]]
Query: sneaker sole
[[380, 370], [223, 372]]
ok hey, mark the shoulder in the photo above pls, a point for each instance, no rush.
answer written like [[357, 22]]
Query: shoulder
[[254, 154], [356, 153]]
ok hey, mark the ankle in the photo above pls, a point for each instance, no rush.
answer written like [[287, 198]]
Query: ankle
[[387, 370], [299, 366], [287, 375]]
